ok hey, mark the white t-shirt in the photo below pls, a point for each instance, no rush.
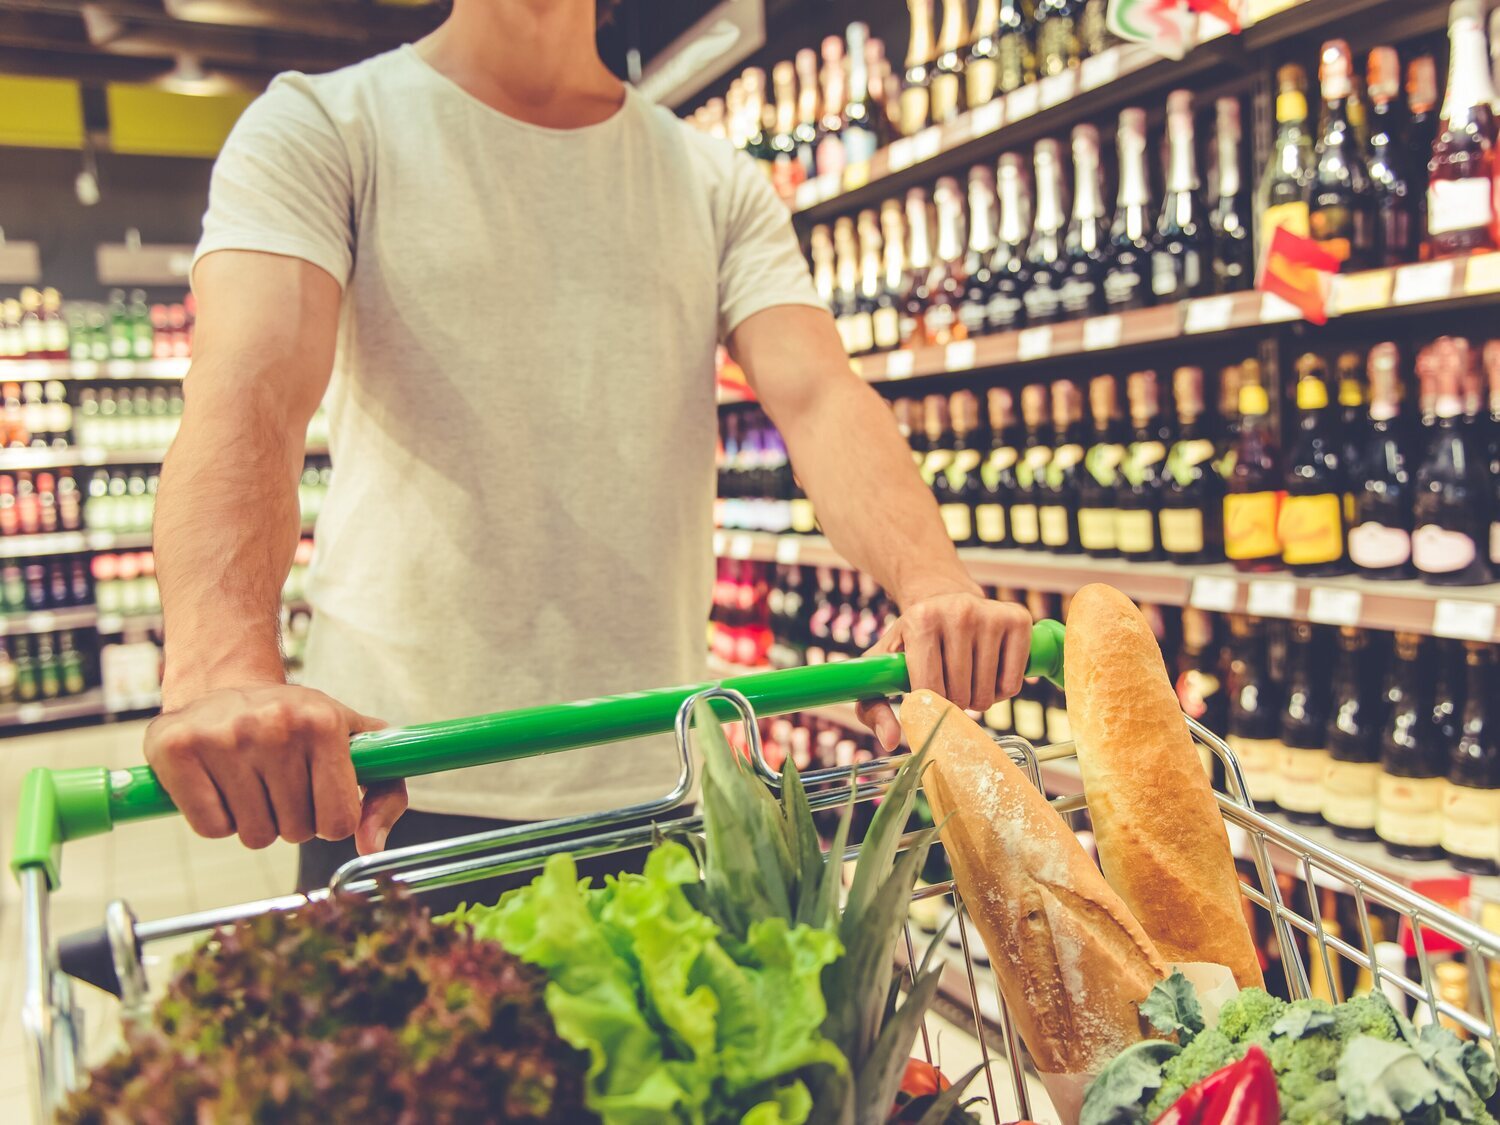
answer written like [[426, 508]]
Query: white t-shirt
[[522, 406]]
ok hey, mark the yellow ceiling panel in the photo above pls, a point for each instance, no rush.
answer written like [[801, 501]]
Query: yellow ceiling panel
[[40, 112], [146, 120]]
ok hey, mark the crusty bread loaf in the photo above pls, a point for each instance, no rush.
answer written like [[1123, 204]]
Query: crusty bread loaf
[[1161, 838], [1073, 964]]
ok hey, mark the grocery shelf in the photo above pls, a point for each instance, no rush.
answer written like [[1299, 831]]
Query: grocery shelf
[[173, 368], [17, 460], [1413, 286], [1467, 613], [74, 542], [86, 705], [47, 620]]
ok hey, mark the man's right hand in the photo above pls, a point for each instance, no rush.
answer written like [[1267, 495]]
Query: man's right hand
[[270, 760]]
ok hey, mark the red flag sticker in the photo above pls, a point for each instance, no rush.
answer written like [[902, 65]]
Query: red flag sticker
[[1299, 271]]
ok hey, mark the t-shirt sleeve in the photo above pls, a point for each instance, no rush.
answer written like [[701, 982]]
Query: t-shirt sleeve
[[283, 183], [760, 264]]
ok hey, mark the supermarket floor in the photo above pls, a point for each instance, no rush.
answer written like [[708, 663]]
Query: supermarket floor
[[161, 869]]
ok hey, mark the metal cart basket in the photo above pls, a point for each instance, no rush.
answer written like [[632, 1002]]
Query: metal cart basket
[[59, 805]]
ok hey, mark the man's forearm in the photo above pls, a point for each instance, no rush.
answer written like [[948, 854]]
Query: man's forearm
[[226, 531], [873, 506]]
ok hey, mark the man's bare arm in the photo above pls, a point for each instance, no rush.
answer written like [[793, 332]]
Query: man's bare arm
[[239, 749], [877, 512]]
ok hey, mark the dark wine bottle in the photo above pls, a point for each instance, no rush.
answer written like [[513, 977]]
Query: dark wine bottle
[[1137, 532], [1471, 797], [948, 67], [1057, 44], [1409, 811], [1200, 676], [871, 284], [1421, 132], [1234, 252], [1006, 310], [861, 136], [1044, 254], [1127, 280], [1311, 525], [1341, 200], [806, 132], [1086, 244], [1452, 507], [982, 70], [1253, 503], [1491, 357], [1353, 422], [946, 284], [915, 295], [846, 310], [1253, 723], [885, 321], [1301, 772], [1289, 172], [830, 153], [979, 279], [1353, 777], [1025, 517], [1179, 253], [1098, 487], [998, 473], [1390, 161], [1014, 49], [1380, 532], [1058, 512], [1192, 503], [916, 92], [959, 488]]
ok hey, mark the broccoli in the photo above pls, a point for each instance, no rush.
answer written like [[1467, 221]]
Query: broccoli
[[1208, 1051], [1370, 1014], [1250, 1013]]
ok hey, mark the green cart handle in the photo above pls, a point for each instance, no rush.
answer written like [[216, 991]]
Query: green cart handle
[[62, 805]]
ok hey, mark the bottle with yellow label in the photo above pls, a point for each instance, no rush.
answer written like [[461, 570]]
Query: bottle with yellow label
[[1098, 487], [997, 474], [1289, 173], [1192, 504], [916, 89], [1031, 470], [1303, 764], [1058, 514], [1312, 525], [958, 487], [1353, 778], [1253, 501], [1471, 797], [1253, 708], [1137, 533], [1409, 810]]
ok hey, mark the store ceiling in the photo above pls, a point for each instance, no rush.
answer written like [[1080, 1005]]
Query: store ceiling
[[245, 42]]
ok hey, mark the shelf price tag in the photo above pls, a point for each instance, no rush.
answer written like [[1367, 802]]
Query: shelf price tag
[[719, 541], [1274, 309], [1034, 343], [1099, 70], [1208, 314], [1356, 292], [1333, 605], [959, 356], [1429, 281], [898, 364], [111, 623], [988, 117], [898, 154], [40, 622], [740, 546], [788, 550], [1056, 89], [928, 143], [1022, 103], [1482, 275], [1214, 594], [1101, 332], [1463, 621], [31, 713], [1272, 598]]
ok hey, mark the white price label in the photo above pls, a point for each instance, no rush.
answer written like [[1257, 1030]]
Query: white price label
[[898, 364], [719, 542], [1034, 343], [110, 623], [988, 117], [788, 550], [928, 143], [1216, 595], [1464, 621], [85, 369], [1272, 598], [1430, 281], [1356, 292], [31, 712], [959, 356], [898, 154], [740, 546], [1102, 332], [40, 622], [1022, 103], [829, 186], [120, 368], [1482, 275], [1099, 70], [1331, 605], [1274, 309], [1209, 314], [101, 540], [1056, 89]]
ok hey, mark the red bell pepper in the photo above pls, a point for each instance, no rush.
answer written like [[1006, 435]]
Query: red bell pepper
[[1242, 1093]]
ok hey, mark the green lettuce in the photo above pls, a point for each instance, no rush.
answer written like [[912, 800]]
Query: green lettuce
[[679, 1024]]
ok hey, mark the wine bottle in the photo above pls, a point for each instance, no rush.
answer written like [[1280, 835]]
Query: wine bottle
[[1230, 381], [1451, 511], [1057, 36], [916, 93], [942, 454], [831, 155], [915, 294], [1353, 417], [1471, 797], [946, 284], [1289, 173], [871, 284], [1253, 710], [1491, 356], [808, 112], [909, 424], [978, 276], [786, 169], [1352, 781], [1253, 502], [1127, 279], [1234, 254], [1192, 503], [846, 283], [860, 136], [1395, 205], [1011, 275], [1341, 200], [757, 138], [960, 489], [1303, 765], [1015, 53], [1311, 524], [1380, 531], [1025, 518], [884, 93], [1058, 512], [1137, 534], [1200, 676], [1094, 36], [1421, 132], [982, 68], [1044, 254], [1086, 243], [824, 274], [1409, 809], [885, 321], [948, 67], [1098, 487], [1179, 250], [1461, 186], [998, 473]]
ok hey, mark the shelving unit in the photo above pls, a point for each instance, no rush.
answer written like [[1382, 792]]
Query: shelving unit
[[21, 460], [1466, 613], [86, 705], [85, 369]]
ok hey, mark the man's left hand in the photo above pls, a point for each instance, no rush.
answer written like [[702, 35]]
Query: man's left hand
[[965, 647]]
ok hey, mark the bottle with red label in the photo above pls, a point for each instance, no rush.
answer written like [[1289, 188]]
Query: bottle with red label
[[1253, 502], [1311, 523], [1461, 187], [1451, 513], [1380, 532]]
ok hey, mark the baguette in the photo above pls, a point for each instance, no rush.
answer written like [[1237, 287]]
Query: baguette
[[1161, 838], [1072, 963]]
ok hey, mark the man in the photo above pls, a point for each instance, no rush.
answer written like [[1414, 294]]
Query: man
[[514, 272]]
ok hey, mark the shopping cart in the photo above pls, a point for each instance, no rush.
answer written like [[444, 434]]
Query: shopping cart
[[62, 805]]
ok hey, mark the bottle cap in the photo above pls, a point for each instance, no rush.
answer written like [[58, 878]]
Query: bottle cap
[[1382, 369], [1104, 397], [1141, 389], [1067, 403], [1179, 102], [1334, 69], [1421, 84], [1187, 389], [1383, 75], [1085, 141], [1312, 392], [1466, 11], [1034, 404], [1291, 93], [1002, 408], [833, 49], [1254, 401]]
